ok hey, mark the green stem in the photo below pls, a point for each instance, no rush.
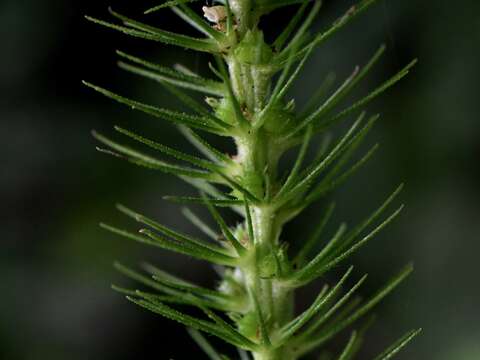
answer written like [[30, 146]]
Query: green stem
[[258, 156]]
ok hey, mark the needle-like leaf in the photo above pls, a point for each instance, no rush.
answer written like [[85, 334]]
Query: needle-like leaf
[[191, 295], [204, 147], [357, 75], [299, 35], [298, 162], [150, 162], [317, 267], [237, 245], [168, 4], [347, 350], [326, 105], [204, 345], [296, 324], [143, 31], [308, 178], [327, 186], [149, 238], [338, 304], [351, 14], [199, 223], [398, 345], [329, 333], [261, 319], [202, 325], [178, 78], [287, 31], [318, 95], [367, 222], [201, 123], [181, 238], [314, 238], [249, 223], [205, 164], [361, 103], [228, 328], [199, 200]]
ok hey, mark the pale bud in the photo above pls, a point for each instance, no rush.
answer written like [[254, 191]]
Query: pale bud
[[215, 14]]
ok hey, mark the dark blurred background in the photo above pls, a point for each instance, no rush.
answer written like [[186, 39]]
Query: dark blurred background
[[55, 262]]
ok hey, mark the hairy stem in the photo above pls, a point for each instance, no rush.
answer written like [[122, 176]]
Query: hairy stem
[[259, 163]]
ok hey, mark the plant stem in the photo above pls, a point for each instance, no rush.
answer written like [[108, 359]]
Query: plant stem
[[275, 300]]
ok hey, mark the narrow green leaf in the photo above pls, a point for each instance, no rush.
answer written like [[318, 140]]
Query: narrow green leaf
[[307, 271], [174, 294], [261, 319], [159, 35], [318, 95], [296, 324], [249, 223], [178, 78], [199, 223], [322, 319], [197, 22], [184, 12], [284, 89], [228, 328], [365, 70], [369, 220], [191, 249], [351, 14], [203, 185], [132, 274], [181, 238], [230, 28], [314, 238], [269, 5], [205, 164], [287, 31], [150, 162], [199, 200], [357, 75], [193, 104], [167, 4], [179, 299], [326, 105], [201, 123], [345, 311], [327, 335], [236, 186], [361, 103], [204, 344], [237, 245], [360, 337], [348, 146], [193, 289], [204, 147], [190, 321], [153, 270], [281, 89], [182, 248], [299, 35], [298, 162], [315, 172], [349, 347], [317, 268], [398, 345], [215, 168], [325, 187]]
